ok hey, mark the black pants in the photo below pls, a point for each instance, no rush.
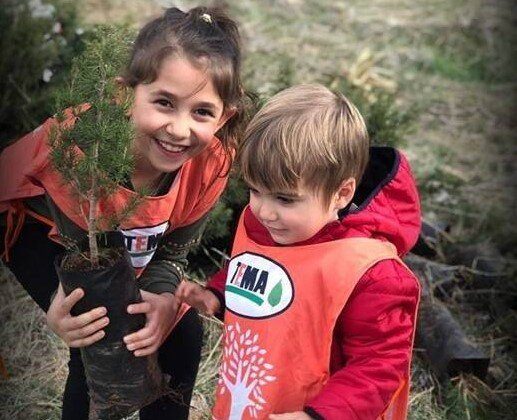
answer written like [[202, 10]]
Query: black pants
[[32, 262]]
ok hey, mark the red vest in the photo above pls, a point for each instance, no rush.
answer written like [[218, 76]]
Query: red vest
[[282, 304]]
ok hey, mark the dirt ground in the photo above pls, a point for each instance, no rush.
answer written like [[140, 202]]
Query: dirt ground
[[450, 61]]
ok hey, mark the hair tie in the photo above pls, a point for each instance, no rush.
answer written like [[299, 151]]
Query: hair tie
[[206, 17]]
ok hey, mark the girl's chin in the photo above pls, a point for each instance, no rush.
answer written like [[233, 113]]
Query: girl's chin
[[160, 165], [167, 161]]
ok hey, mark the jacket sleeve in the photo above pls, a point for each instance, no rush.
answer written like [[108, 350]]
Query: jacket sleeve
[[372, 344], [165, 271], [216, 285]]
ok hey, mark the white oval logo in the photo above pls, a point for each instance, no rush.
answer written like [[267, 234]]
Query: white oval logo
[[257, 287], [143, 242]]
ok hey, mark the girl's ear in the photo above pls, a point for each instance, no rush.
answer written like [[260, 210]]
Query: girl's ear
[[227, 114], [345, 194]]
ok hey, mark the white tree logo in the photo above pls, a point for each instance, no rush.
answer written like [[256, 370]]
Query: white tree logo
[[244, 372]]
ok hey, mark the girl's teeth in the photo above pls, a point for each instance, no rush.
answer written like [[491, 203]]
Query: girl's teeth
[[171, 148]]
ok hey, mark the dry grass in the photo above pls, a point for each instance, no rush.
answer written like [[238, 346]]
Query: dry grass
[[447, 59], [35, 359]]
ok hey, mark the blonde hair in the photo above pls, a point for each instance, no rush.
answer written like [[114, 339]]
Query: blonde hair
[[304, 135]]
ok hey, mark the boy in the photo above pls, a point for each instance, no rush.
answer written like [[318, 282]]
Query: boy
[[319, 310]]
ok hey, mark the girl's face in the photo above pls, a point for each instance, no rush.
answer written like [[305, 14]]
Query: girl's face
[[176, 117]]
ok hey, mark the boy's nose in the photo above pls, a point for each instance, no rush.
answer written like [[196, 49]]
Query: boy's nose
[[266, 213]]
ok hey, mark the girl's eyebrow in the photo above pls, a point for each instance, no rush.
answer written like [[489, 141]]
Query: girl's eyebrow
[[209, 105], [172, 96], [162, 92]]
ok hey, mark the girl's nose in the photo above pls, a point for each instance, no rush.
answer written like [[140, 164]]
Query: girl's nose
[[178, 127]]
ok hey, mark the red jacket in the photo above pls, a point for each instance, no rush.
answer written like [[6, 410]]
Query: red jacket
[[373, 334]]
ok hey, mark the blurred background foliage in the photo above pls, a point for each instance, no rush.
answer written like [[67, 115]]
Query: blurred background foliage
[[38, 41]]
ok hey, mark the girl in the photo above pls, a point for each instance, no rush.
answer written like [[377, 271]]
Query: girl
[[184, 75]]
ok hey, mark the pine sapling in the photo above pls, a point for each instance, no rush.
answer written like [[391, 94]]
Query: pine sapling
[[93, 155]]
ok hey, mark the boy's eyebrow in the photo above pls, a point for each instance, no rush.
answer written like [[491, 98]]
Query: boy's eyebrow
[[289, 195], [282, 193], [172, 96]]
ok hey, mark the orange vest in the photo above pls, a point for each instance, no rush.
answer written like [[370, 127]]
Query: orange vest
[[26, 171], [282, 304]]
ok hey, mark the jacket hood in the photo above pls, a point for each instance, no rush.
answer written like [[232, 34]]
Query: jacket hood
[[386, 204]]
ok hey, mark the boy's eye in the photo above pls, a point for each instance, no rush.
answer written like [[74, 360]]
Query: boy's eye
[[253, 191], [285, 200]]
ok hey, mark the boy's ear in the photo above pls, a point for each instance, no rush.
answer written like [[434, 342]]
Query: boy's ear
[[345, 193], [227, 114]]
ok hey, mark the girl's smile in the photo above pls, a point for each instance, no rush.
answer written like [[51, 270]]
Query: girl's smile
[[169, 148]]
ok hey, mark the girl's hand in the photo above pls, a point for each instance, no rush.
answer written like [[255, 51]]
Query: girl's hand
[[76, 331], [198, 297], [297, 415], [160, 312]]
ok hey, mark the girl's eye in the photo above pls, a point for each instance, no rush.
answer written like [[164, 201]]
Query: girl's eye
[[253, 191], [205, 112], [164, 103]]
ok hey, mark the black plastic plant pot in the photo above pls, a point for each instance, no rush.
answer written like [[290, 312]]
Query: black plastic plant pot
[[119, 383]]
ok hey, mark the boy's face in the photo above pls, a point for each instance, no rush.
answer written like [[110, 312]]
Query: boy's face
[[293, 216]]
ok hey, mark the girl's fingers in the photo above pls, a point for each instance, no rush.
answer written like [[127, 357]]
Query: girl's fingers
[[145, 294], [143, 334], [139, 308], [89, 329], [70, 300], [141, 344], [146, 351], [80, 321], [87, 341]]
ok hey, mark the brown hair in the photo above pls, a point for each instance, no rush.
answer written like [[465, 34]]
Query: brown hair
[[202, 35], [304, 134]]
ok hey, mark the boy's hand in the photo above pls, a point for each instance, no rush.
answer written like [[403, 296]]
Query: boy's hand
[[297, 415], [160, 312], [198, 297], [76, 331]]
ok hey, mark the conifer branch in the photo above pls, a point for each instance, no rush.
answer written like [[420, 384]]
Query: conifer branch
[[92, 154]]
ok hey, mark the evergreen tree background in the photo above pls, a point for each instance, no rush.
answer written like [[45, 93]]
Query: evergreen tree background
[[37, 44]]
